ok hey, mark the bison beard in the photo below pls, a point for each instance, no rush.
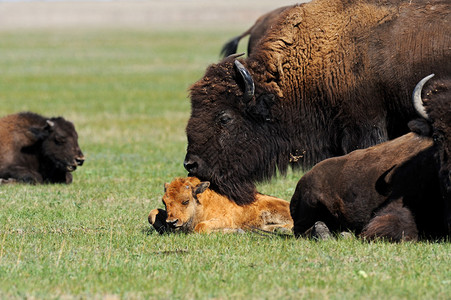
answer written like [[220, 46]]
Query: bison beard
[[330, 77]]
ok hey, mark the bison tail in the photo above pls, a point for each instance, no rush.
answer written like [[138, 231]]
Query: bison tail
[[230, 47]]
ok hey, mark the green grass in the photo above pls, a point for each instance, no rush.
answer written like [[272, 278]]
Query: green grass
[[126, 91]]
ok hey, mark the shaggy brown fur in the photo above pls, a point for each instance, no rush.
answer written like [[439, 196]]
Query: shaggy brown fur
[[36, 149], [255, 33], [332, 76], [192, 206]]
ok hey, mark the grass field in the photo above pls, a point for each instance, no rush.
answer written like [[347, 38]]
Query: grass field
[[126, 92]]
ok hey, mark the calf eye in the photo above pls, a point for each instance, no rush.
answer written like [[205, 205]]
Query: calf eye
[[186, 202]]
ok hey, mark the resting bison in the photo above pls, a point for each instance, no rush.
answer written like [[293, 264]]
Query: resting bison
[[330, 77], [391, 190], [36, 149], [255, 33], [192, 206], [429, 203]]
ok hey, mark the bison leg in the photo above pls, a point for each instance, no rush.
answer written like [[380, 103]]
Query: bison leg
[[306, 215], [7, 181], [319, 231], [394, 223], [21, 174], [157, 218]]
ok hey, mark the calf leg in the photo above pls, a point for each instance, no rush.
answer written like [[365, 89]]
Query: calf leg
[[213, 225], [394, 223]]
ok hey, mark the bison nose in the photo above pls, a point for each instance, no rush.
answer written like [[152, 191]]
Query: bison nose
[[190, 164], [80, 160]]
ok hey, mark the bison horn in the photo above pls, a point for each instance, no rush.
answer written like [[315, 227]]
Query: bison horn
[[50, 123], [249, 87], [416, 97]]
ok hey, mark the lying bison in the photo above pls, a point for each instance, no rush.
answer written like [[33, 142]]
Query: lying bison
[[36, 149], [330, 77], [391, 190], [192, 206], [430, 200], [261, 26]]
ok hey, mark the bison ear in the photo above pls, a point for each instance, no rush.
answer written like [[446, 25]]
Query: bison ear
[[420, 126], [383, 186], [262, 108], [41, 133], [201, 187]]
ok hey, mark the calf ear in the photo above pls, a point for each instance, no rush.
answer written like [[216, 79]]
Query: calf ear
[[201, 187], [166, 185], [41, 133]]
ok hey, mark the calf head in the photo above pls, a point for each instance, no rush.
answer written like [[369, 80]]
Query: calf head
[[59, 144], [181, 202]]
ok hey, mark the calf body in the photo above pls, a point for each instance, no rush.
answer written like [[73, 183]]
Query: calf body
[[36, 149], [192, 206]]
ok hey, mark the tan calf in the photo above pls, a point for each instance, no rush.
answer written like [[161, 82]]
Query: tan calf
[[192, 206]]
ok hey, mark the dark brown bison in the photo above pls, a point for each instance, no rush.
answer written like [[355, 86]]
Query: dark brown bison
[[392, 190], [430, 203], [330, 77], [255, 33], [36, 149]]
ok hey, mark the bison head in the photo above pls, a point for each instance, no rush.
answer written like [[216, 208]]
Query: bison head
[[181, 203], [437, 111], [59, 144], [234, 134]]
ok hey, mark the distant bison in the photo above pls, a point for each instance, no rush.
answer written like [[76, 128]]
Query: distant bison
[[36, 149], [330, 77], [192, 206], [391, 190], [256, 32]]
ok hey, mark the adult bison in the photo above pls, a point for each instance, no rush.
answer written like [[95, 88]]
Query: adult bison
[[36, 149], [256, 32], [330, 77], [395, 190]]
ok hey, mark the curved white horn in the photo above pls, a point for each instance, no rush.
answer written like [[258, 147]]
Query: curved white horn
[[416, 97]]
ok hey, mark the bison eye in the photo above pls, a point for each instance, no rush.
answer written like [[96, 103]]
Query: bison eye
[[186, 202], [60, 141], [224, 118]]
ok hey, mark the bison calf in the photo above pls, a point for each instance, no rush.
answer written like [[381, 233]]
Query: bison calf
[[192, 206], [36, 149]]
